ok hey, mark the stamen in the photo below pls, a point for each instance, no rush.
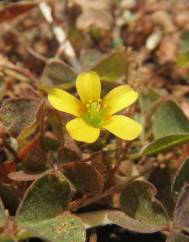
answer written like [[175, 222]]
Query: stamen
[[95, 114]]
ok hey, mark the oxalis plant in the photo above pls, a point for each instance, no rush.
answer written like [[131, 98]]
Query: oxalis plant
[[79, 160]]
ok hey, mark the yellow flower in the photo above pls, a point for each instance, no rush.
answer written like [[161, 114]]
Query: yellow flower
[[92, 113]]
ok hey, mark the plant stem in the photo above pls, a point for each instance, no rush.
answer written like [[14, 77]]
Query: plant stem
[[115, 188]]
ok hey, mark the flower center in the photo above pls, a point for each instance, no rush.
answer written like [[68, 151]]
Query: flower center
[[94, 113]]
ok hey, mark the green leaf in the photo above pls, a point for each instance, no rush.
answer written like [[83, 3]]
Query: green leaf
[[161, 178], [70, 150], [165, 143], [183, 60], [181, 177], [177, 238], [89, 58], [6, 238], [56, 123], [84, 177], [169, 119], [35, 161], [20, 113], [113, 66], [147, 98], [121, 219], [143, 212], [3, 217], [49, 143], [62, 228], [46, 198], [9, 196], [181, 213], [26, 132], [57, 73], [170, 128], [184, 41], [41, 211]]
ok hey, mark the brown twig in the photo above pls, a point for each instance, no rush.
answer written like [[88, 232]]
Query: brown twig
[[37, 55], [19, 70]]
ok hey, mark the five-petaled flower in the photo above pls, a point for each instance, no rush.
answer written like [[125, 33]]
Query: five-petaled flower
[[93, 113]]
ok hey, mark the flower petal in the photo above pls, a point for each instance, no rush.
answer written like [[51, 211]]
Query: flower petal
[[81, 131], [119, 98], [88, 86], [65, 102], [123, 127]]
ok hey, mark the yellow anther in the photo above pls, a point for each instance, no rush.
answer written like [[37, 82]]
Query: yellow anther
[[93, 106]]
